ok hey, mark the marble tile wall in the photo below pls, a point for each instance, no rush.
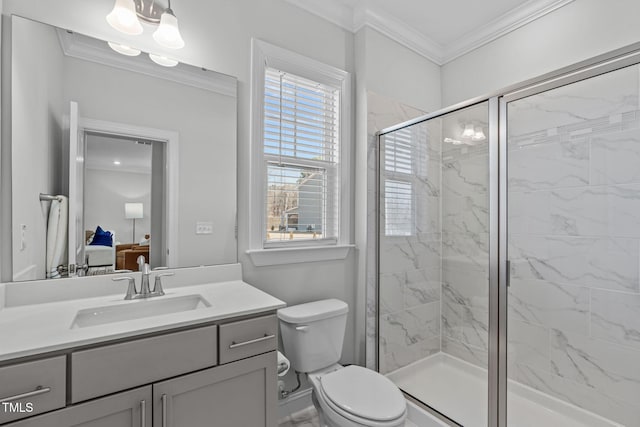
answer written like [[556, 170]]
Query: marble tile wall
[[574, 244], [465, 243], [411, 288], [410, 260]]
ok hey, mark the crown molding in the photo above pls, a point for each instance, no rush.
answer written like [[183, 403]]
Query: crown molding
[[401, 33], [88, 49], [504, 24], [355, 18], [333, 11]]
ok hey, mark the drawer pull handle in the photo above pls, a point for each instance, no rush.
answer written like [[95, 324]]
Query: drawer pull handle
[[143, 413], [164, 410], [38, 391], [257, 340]]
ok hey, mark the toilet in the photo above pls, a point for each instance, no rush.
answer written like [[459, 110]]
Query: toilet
[[345, 396]]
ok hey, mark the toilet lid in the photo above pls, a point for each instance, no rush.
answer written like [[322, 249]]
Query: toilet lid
[[364, 393]]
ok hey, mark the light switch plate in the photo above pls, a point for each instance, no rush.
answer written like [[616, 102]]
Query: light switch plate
[[204, 227]]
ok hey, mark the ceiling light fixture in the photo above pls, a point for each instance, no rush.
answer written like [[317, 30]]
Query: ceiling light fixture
[[163, 60], [468, 131], [478, 135], [116, 162], [126, 15], [124, 49], [168, 34], [123, 18]]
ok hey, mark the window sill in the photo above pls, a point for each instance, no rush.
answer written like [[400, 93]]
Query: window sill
[[279, 256]]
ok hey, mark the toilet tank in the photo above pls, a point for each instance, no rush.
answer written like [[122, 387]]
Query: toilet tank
[[313, 333]]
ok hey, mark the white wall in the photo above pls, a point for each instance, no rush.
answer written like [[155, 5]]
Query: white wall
[[105, 195], [396, 72], [37, 135], [575, 32]]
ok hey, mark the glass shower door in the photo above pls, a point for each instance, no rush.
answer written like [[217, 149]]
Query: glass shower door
[[434, 262], [574, 250]]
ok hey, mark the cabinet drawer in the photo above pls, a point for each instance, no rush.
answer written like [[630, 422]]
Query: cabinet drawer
[[32, 388], [247, 338], [108, 369]]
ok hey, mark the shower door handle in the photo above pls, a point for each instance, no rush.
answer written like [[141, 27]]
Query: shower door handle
[[508, 269]]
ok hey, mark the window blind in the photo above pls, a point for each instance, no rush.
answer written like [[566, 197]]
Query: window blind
[[398, 208], [301, 152], [400, 152]]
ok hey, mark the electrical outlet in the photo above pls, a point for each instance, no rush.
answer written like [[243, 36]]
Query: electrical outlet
[[204, 227]]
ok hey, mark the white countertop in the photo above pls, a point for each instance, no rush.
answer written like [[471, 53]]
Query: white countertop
[[27, 330]]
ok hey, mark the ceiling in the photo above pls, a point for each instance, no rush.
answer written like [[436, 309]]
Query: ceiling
[[440, 30], [134, 156]]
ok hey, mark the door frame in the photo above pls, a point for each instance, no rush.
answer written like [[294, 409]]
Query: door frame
[[171, 177]]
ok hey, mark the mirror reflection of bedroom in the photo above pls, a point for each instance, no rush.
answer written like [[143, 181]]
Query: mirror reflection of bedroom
[[121, 189]]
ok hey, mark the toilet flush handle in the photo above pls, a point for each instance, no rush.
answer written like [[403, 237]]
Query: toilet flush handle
[[302, 328]]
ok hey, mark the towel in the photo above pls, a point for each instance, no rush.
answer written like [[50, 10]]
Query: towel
[[57, 228]]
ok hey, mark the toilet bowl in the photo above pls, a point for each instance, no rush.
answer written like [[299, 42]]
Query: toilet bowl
[[354, 396], [350, 396]]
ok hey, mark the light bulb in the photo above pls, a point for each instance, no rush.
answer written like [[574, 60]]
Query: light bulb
[[168, 34], [163, 60], [468, 131], [478, 135], [124, 49], [124, 19]]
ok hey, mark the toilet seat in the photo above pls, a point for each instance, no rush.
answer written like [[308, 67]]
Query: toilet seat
[[363, 396]]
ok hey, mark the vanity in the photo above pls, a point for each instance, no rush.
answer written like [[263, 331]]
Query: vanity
[[203, 354]]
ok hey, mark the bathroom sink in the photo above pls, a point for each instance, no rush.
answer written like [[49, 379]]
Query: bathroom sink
[[136, 310]]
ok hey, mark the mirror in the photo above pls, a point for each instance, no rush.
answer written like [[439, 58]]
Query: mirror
[[129, 143]]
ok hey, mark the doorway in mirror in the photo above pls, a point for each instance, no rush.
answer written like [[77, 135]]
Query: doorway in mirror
[[123, 184]]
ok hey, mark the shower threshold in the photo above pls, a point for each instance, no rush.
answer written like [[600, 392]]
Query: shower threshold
[[458, 390]]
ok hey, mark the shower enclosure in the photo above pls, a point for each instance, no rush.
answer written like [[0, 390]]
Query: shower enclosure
[[509, 252]]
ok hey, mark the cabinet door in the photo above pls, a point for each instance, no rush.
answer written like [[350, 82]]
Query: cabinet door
[[238, 394], [128, 409]]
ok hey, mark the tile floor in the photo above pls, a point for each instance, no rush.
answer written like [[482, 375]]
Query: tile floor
[[308, 417]]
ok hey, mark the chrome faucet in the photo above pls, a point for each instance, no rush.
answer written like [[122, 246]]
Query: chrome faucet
[[145, 292], [132, 293]]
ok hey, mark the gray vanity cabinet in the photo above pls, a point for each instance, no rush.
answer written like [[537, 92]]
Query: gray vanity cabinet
[[238, 394], [127, 409], [194, 377]]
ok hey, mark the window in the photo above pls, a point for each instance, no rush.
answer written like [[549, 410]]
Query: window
[[301, 156], [300, 152]]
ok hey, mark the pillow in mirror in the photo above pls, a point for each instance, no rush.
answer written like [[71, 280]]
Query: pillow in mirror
[[102, 238]]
